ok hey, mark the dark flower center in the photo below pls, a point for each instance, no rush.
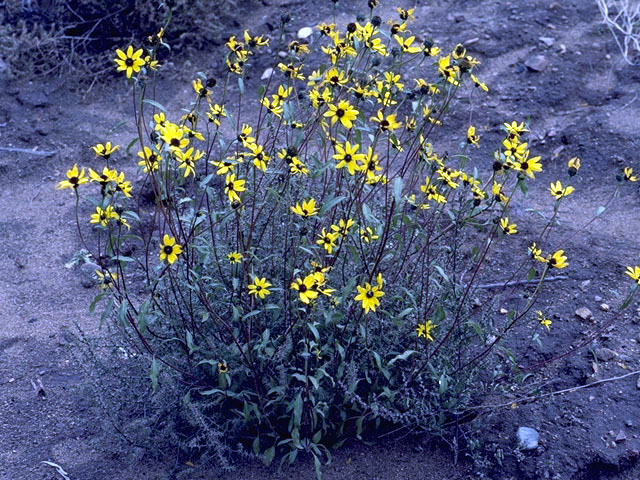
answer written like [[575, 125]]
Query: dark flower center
[[347, 158], [303, 288], [369, 294], [168, 249], [129, 62], [340, 113]]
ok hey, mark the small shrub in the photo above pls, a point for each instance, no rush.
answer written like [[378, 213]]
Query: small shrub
[[54, 38], [309, 262]]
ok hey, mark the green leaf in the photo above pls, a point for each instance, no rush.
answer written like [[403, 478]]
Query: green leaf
[[297, 410], [398, 185], [97, 299], [330, 203], [531, 274], [443, 382], [107, 311], [256, 445], [154, 104], [261, 90], [268, 455], [318, 467], [131, 144], [402, 356], [153, 374]]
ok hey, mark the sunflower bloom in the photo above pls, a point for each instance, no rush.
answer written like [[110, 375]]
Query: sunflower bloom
[[507, 228], [232, 187], [634, 273], [169, 249], [305, 288], [424, 330], [369, 295], [306, 209], [343, 112], [74, 179], [234, 257], [129, 62], [259, 287], [558, 191], [557, 260]]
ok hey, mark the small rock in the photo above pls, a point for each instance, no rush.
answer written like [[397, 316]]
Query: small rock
[[604, 307], [638, 383], [597, 298], [458, 18], [584, 313], [605, 354], [629, 423], [11, 380], [585, 284], [471, 41], [3, 66], [548, 41], [621, 437], [305, 32], [528, 438], [537, 63], [282, 54], [503, 311], [267, 74], [88, 272], [33, 320]]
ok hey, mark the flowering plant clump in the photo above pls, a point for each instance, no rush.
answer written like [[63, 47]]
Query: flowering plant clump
[[309, 267]]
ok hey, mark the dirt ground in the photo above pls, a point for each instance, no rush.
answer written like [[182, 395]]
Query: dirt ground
[[583, 102]]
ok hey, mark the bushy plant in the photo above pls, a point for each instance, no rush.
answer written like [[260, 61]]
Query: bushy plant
[[309, 260]]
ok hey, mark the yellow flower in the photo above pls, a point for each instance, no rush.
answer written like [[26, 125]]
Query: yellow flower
[[169, 249], [306, 288], [425, 329], [508, 229], [259, 287], [478, 83], [545, 322], [347, 156], [233, 186], [536, 253], [406, 44], [223, 367], [369, 295], [260, 158], [634, 273], [150, 160], [558, 191], [343, 112], [343, 227], [307, 209], [386, 124], [368, 235], [327, 240], [129, 62], [106, 279], [74, 179], [472, 138], [234, 257], [104, 150], [558, 260], [574, 165], [629, 176], [102, 217], [528, 165]]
